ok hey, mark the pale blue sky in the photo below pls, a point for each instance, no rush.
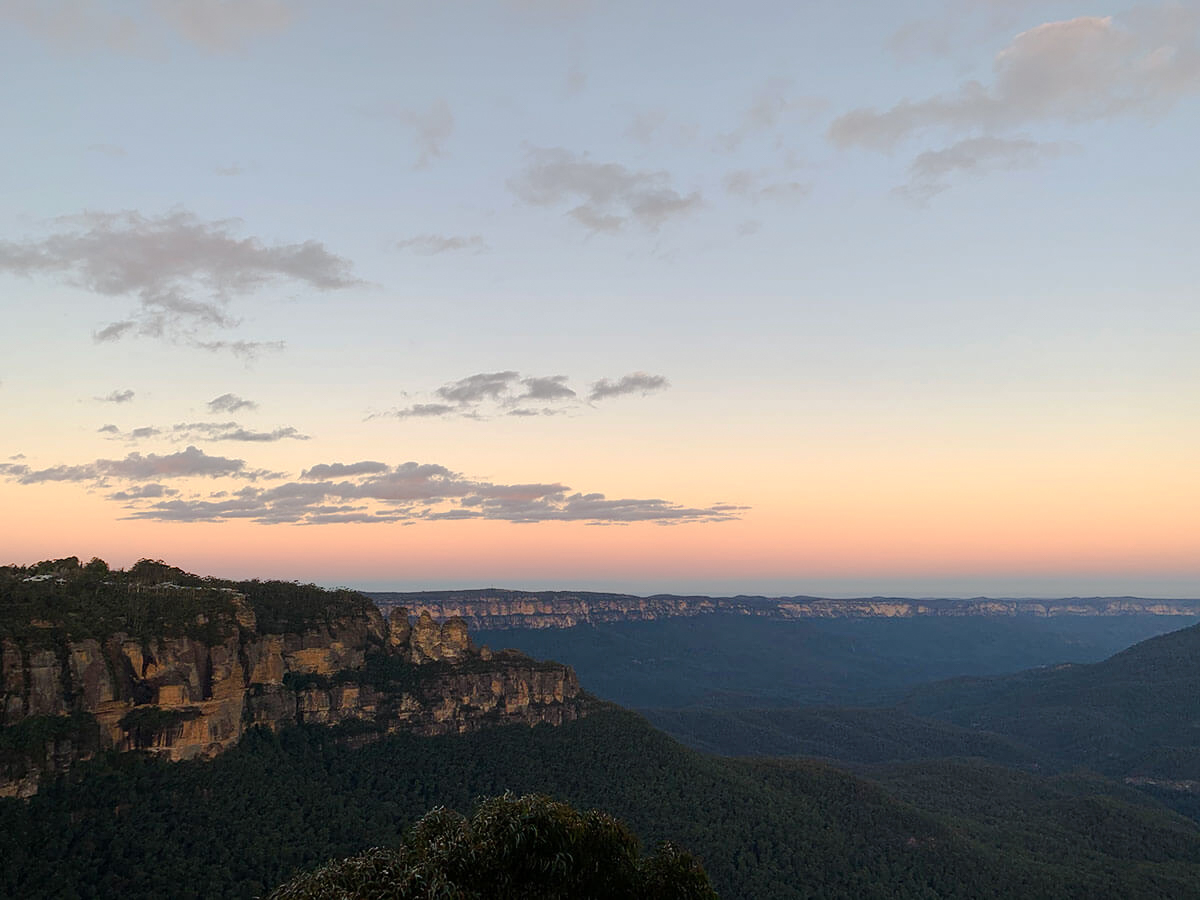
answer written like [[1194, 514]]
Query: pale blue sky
[[595, 189]]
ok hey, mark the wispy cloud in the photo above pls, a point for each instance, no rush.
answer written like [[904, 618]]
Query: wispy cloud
[[124, 396], [143, 26], [758, 186], [634, 383], [931, 172], [207, 431], [230, 403], [775, 102], [1077, 70], [245, 350], [182, 270], [433, 244], [431, 128], [606, 196]]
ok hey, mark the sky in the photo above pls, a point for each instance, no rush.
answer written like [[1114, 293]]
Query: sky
[[705, 297]]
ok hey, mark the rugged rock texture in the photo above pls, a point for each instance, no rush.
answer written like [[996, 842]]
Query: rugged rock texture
[[499, 609], [64, 699]]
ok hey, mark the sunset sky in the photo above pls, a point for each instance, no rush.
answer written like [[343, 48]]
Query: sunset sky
[[715, 297]]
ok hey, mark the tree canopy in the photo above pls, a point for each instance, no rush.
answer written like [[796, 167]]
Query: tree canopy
[[511, 848]]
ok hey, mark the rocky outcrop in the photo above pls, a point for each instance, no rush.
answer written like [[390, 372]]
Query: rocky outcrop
[[498, 609], [62, 700]]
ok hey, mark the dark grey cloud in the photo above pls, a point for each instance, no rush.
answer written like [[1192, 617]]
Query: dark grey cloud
[[188, 463], [116, 397], [633, 383], [152, 491], [108, 429], [606, 196], [549, 387], [433, 244], [183, 271], [428, 411], [323, 471], [932, 171], [509, 393], [1079, 70], [230, 403], [411, 492], [474, 388]]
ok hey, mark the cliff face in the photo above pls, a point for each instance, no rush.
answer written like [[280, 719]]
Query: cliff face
[[514, 609], [64, 699]]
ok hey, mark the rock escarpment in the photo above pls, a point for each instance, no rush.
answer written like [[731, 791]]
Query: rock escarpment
[[503, 609], [184, 670]]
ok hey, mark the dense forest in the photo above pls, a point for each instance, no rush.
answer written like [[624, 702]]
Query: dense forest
[[723, 661], [280, 804], [949, 791]]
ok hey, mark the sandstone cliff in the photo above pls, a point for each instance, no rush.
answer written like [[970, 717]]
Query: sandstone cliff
[[502, 609], [194, 687]]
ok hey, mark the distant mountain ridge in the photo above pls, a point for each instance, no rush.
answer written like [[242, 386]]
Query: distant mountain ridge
[[498, 608]]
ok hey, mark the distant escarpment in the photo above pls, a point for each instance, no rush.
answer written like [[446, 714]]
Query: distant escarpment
[[500, 609], [158, 660]]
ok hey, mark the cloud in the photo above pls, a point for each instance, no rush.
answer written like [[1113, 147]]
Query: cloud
[[426, 411], [608, 196], [182, 270], [474, 388], [549, 387], [433, 244], [108, 429], [116, 397], [323, 471], [370, 492], [774, 102], [189, 463], [224, 25], [247, 350], [634, 383], [645, 125], [230, 403], [930, 172], [140, 26], [431, 129], [508, 393], [1078, 70], [756, 186], [151, 491], [209, 431], [230, 171], [575, 81]]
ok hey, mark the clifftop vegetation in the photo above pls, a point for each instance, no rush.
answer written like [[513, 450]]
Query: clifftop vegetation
[[152, 599]]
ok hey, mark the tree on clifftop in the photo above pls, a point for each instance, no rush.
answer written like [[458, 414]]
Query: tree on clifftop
[[512, 847]]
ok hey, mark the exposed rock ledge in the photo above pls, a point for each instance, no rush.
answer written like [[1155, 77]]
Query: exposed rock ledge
[[504, 609], [63, 700]]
